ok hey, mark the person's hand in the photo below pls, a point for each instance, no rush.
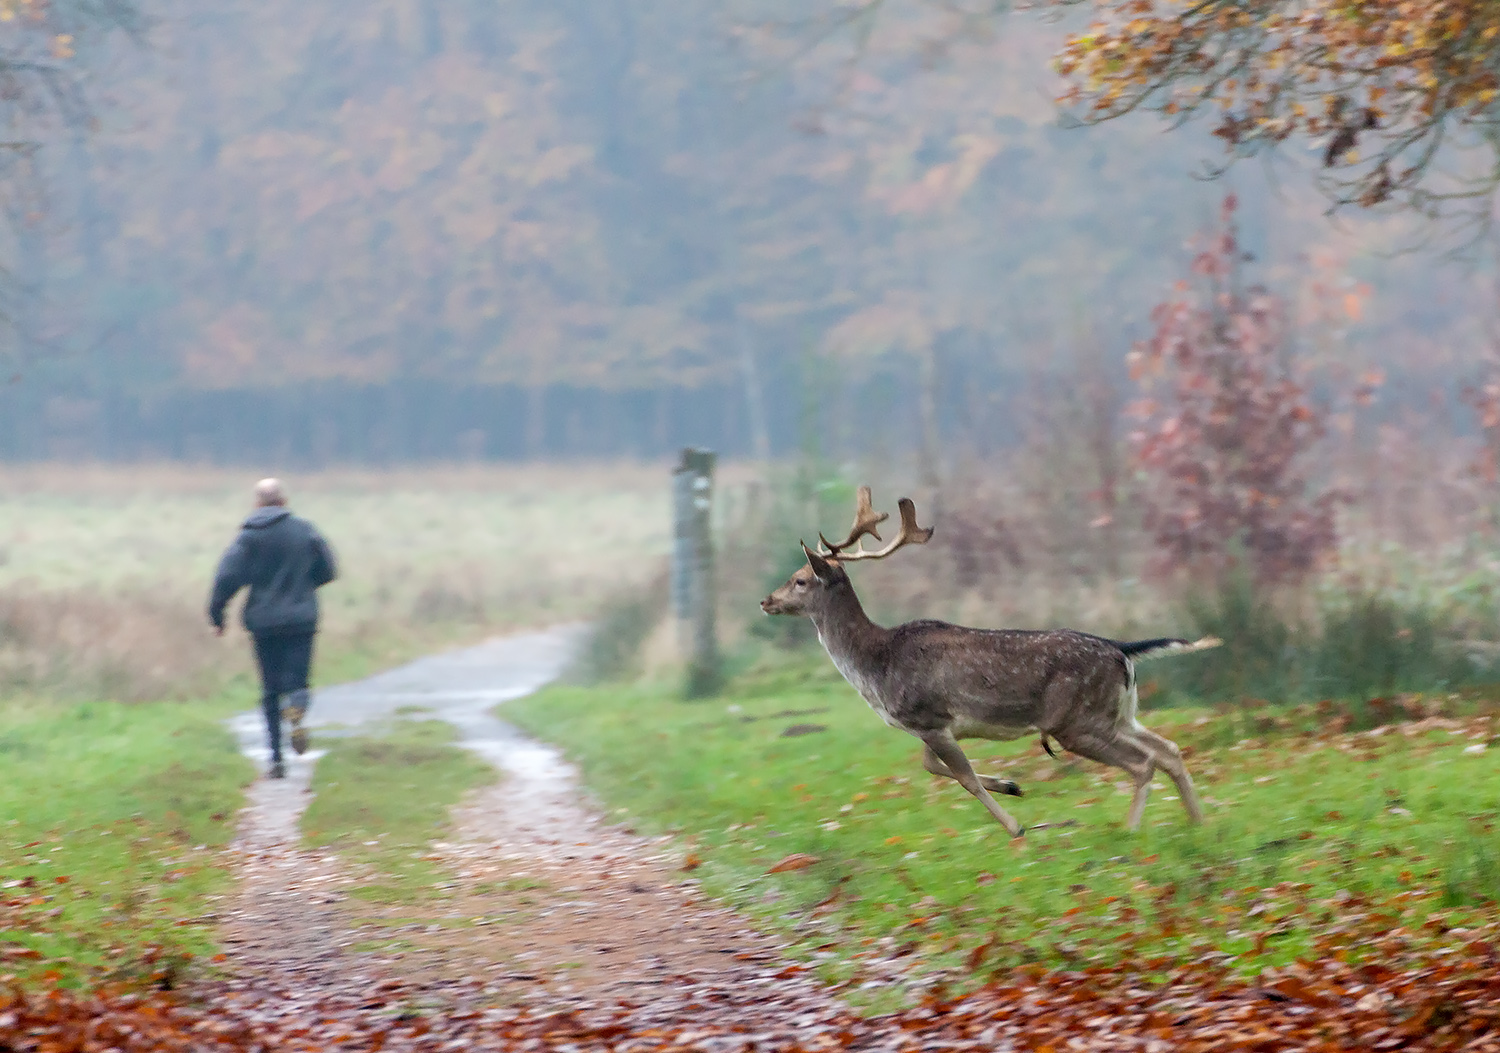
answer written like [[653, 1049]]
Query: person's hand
[[218, 630]]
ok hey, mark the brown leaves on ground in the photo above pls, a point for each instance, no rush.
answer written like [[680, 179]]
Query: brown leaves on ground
[[795, 861], [1329, 1005]]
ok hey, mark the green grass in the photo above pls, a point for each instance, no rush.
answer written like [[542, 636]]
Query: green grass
[[111, 818], [382, 800], [115, 818], [1306, 829]]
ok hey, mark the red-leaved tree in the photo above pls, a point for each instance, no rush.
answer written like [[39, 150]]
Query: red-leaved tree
[[1226, 424], [1483, 395]]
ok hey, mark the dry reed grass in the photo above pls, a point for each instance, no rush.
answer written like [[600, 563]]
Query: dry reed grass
[[104, 570], [87, 643]]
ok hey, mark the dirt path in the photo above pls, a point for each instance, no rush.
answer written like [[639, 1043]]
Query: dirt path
[[552, 904]]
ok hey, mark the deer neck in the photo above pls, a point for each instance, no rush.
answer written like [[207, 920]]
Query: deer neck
[[855, 643]]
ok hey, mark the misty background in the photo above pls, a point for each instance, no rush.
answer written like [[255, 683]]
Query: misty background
[[411, 230]]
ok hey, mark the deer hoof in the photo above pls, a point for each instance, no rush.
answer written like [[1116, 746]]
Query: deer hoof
[[1005, 786]]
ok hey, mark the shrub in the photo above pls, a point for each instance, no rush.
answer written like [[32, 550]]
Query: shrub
[[1223, 444], [611, 650], [1372, 645], [1258, 659], [1357, 645]]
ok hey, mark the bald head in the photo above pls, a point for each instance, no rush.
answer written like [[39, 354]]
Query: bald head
[[268, 493]]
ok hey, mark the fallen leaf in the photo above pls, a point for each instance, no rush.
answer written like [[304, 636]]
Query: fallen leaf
[[795, 861]]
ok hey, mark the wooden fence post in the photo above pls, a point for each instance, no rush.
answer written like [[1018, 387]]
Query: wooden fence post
[[694, 596]]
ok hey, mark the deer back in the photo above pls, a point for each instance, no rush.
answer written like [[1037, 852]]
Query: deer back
[[1000, 683]]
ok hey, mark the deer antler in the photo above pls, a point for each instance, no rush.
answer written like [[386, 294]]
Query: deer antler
[[865, 521]]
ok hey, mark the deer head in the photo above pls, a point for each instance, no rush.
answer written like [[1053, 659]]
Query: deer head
[[819, 585]]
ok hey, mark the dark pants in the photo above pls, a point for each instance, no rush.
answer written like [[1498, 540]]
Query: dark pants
[[285, 660]]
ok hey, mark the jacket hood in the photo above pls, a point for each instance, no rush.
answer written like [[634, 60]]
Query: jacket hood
[[264, 517]]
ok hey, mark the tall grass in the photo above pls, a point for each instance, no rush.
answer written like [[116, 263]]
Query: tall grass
[[104, 572], [86, 643]]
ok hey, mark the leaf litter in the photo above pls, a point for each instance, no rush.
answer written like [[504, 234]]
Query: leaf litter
[[1329, 1005], [599, 942]]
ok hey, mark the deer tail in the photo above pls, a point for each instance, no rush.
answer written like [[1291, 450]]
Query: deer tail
[[1146, 650], [1048, 746]]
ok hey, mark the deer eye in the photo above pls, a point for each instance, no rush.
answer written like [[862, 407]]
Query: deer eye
[[801, 583]]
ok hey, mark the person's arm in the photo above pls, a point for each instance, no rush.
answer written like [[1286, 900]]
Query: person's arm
[[229, 580], [325, 568]]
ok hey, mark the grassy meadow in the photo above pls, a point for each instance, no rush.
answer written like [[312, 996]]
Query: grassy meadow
[[104, 572], [66, 525], [1319, 836]]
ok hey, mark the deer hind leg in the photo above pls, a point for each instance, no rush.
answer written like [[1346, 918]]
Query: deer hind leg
[[1138, 799], [1169, 759], [1123, 752], [944, 747], [933, 763]]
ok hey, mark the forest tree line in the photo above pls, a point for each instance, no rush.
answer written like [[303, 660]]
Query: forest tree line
[[584, 208]]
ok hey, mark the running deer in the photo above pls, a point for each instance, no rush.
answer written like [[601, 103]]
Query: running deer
[[942, 682]]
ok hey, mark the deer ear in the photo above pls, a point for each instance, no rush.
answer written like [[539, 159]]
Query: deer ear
[[820, 566]]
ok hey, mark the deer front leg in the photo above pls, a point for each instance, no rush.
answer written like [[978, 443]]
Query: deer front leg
[[933, 763], [945, 748]]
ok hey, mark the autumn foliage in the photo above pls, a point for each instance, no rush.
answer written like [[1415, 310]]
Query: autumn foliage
[[1377, 86], [1483, 396], [1226, 424]]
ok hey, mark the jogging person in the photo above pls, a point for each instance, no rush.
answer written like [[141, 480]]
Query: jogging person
[[284, 561]]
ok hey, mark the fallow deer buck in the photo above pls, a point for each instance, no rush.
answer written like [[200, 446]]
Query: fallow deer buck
[[942, 682]]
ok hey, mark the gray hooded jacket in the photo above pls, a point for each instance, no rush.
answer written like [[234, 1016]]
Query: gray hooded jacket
[[284, 561]]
